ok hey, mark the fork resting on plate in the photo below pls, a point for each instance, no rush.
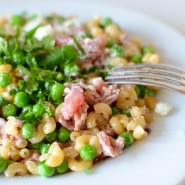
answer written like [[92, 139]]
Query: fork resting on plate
[[161, 75]]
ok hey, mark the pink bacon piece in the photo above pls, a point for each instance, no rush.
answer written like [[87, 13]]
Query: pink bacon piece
[[98, 83], [73, 112], [109, 94], [72, 102], [110, 146]]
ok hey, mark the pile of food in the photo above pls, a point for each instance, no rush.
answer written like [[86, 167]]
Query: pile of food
[[57, 114]]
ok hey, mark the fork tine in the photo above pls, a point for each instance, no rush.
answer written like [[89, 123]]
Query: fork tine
[[175, 88], [157, 66], [179, 74], [162, 75]]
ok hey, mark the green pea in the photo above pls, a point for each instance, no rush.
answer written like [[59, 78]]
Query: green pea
[[51, 137], [18, 57], [63, 167], [28, 130], [36, 146], [57, 90], [3, 165], [128, 136], [44, 148], [5, 79], [38, 110], [117, 50], [16, 20], [147, 49], [137, 59], [87, 152], [44, 170], [9, 110], [63, 135], [105, 21], [21, 99]]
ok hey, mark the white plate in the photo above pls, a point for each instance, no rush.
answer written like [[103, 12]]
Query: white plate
[[158, 159]]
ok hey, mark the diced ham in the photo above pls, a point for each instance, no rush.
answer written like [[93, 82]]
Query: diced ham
[[111, 147], [109, 94], [98, 83], [80, 117], [94, 50], [77, 121], [69, 124], [73, 112], [92, 97], [72, 102], [108, 130]]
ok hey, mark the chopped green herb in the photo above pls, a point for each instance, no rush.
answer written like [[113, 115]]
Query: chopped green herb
[[115, 111], [126, 112], [17, 20]]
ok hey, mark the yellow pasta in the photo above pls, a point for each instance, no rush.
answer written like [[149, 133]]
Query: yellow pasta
[[10, 127], [139, 132], [56, 155], [32, 167], [94, 141], [104, 109], [39, 135], [70, 153], [21, 143], [81, 141], [49, 124], [16, 169], [79, 166], [91, 120], [116, 124], [24, 153]]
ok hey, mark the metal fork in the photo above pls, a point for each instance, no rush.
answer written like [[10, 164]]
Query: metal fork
[[161, 75]]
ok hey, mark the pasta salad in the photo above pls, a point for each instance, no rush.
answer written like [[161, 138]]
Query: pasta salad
[[57, 114]]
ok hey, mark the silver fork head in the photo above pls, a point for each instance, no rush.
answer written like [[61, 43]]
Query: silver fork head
[[161, 75]]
